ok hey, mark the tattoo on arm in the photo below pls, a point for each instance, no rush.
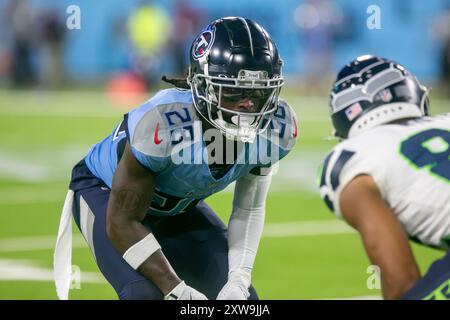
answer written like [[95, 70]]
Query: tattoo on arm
[[131, 201]]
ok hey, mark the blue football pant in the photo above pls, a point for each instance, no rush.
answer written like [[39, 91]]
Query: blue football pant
[[435, 284], [195, 243]]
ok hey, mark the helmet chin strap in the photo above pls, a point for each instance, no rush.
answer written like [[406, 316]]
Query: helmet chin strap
[[235, 132], [243, 137]]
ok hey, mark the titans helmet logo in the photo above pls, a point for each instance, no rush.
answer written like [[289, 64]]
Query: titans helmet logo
[[203, 43]]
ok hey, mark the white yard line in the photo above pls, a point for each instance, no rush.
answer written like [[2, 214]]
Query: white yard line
[[297, 172], [35, 243], [271, 230], [35, 104], [305, 228], [26, 270], [40, 164], [29, 270]]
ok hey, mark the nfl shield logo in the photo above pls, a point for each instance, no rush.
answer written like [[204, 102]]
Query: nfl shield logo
[[385, 95]]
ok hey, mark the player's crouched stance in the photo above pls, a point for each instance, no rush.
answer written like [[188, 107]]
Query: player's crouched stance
[[390, 176], [137, 196]]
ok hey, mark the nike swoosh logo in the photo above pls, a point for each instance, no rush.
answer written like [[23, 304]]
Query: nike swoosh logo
[[295, 128], [155, 136]]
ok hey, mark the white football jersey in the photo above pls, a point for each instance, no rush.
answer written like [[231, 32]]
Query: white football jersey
[[410, 163]]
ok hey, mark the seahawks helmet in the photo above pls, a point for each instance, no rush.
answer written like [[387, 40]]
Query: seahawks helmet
[[370, 91], [233, 60]]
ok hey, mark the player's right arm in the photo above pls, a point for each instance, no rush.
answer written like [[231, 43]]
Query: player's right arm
[[131, 193], [384, 238]]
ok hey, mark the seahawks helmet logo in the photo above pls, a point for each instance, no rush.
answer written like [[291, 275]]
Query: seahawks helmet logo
[[203, 43]]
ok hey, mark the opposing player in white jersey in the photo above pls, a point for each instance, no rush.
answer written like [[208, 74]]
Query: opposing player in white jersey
[[389, 178]]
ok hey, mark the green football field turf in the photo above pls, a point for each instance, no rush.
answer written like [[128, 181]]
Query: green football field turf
[[305, 252]]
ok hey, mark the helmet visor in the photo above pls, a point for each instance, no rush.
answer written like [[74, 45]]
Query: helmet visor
[[244, 100]]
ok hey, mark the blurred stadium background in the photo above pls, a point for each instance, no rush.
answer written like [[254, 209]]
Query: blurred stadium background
[[62, 90]]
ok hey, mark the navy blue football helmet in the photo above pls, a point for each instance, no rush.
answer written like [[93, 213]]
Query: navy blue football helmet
[[231, 60], [370, 91]]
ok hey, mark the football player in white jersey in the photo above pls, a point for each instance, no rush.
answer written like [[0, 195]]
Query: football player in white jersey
[[389, 178]]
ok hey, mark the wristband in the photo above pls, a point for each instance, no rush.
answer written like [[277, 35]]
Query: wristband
[[140, 251]]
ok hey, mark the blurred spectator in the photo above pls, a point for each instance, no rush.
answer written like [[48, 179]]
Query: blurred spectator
[[320, 23], [19, 23], [187, 21], [118, 38], [442, 31], [5, 63], [149, 29], [52, 37]]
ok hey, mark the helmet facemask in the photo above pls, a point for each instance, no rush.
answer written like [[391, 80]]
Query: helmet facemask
[[220, 100]]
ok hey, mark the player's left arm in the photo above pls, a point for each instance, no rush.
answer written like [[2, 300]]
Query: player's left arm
[[244, 232], [383, 236]]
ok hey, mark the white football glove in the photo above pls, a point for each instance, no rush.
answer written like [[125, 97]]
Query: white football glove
[[183, 292], [236, 288]]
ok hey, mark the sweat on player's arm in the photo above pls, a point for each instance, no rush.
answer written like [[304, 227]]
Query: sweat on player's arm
[[384, 238]]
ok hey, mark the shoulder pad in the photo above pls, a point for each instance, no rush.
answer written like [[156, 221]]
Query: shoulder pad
[[341, 166], [153, 126]]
